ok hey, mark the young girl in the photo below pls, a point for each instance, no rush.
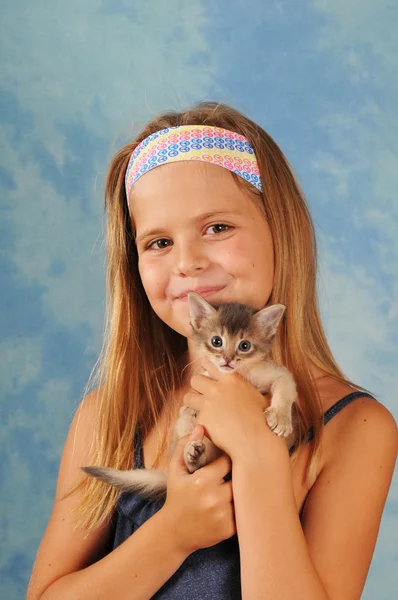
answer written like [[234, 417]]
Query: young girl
[[205, 200]]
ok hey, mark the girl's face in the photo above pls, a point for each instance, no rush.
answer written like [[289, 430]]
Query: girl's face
[[197, 230]]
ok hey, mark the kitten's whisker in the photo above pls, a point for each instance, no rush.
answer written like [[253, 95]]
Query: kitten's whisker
[[189, 364]]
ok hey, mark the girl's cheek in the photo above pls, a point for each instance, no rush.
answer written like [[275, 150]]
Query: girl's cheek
[[152, 277], [233, 253]]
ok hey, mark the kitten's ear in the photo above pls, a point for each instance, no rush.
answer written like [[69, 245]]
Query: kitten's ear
[[269, 318], [199, 309]]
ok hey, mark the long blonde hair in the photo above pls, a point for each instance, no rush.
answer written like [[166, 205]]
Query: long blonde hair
[[137, 372]]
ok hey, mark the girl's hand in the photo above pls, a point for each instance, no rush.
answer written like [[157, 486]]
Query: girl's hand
[[200, 505], [231, 409]]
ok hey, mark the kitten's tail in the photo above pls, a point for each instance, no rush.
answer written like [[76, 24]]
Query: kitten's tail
[[150, 483]]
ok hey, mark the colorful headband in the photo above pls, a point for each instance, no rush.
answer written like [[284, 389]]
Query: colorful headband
[[194, 142]]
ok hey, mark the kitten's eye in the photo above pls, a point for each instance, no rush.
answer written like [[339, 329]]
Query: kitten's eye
[[244, 346], [216, 341]]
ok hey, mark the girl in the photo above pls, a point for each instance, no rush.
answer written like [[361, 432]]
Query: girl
[[205, 200]]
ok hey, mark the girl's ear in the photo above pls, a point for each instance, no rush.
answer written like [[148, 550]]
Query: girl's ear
[[199, 309], [269, 318]]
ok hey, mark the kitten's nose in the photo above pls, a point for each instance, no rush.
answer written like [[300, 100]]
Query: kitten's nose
[[226, 365]]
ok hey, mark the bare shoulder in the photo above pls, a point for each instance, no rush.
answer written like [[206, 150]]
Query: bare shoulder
[[364, 423], [363, 416], [343, 509], [64, 549]]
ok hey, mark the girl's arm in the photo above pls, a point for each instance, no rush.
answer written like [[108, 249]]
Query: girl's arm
[[328, 554], [71, 567], [134, 570]]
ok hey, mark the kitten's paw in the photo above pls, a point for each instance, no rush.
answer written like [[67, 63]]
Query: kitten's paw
[[195, 455], [280, 421]]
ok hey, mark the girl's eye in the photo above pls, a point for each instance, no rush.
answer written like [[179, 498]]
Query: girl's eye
[[161, 247], [163, 243], [244, 346], [219, 227], [216, 341]]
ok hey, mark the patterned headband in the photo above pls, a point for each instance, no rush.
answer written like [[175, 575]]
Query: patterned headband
[[194, 142]]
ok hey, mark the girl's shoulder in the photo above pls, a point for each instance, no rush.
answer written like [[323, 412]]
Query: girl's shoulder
[[359, 422], [342, 512]]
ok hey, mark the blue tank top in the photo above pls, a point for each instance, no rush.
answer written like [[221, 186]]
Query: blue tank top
[[209, 573]]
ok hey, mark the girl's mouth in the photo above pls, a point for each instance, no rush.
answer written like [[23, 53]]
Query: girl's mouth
[[202, 292]]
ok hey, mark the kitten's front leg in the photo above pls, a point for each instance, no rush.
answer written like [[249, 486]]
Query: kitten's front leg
[[197, 453], [186, 421], [283, 396], [195, 450]]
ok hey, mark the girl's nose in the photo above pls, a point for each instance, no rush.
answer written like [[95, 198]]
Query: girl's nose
[[190, 261]]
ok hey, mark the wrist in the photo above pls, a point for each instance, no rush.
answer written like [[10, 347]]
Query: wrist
[[263, 447], [260, 464], [171, 524]]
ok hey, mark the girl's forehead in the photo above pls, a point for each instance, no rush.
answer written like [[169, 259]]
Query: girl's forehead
[[185, 187], [184, 174]]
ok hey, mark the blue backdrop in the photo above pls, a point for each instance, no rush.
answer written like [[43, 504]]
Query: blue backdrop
[[319, 75]]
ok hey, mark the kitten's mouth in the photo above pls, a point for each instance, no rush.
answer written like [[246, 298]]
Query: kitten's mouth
[[226, 367]]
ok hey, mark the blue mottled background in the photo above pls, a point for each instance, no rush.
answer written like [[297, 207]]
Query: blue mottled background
[[319, 75]]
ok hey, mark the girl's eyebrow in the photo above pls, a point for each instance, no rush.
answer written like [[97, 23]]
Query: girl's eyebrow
[[201, 217]]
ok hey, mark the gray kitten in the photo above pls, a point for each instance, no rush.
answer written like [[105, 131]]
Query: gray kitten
[[234, 337]]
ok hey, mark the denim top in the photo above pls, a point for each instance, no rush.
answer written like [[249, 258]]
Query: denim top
[[208, 573]]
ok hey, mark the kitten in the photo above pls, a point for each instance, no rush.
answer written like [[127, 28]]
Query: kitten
[[234, 337]]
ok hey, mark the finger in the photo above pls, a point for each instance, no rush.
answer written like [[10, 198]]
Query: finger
[[193, 400], [197, 433], [219, 467], [211, 368], [201, 383], [177, 460]]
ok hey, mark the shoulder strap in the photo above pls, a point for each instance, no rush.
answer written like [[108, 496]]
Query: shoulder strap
[[336, 408], [138, 449]]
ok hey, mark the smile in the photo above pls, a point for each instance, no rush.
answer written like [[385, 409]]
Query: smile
[[204, 292]]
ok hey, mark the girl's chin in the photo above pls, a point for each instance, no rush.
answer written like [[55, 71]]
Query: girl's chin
[[182, 327]]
